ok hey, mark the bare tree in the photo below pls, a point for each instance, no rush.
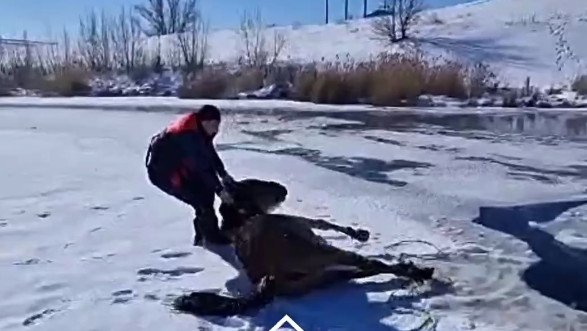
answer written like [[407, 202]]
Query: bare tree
[[55, 56], [193, 44], [395, 27], [257, 52], [67, 56], [163, 17], [126, 36], [94, 41]]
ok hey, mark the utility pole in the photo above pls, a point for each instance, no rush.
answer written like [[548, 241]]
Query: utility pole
[[365, 8], [326, 11], [346, 10]]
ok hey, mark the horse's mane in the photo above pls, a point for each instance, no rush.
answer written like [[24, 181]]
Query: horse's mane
[[251, 197]]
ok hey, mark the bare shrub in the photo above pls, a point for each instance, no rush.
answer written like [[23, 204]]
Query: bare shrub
[[257, 50], [248, 78], [511, 98], [579, 85], [209, 83], [94, 41], [396, 26], [129, 52], [218, 81], [66, 82], [480, 78], [193, 43]]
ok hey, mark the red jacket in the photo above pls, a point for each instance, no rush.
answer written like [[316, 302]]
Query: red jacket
[[195, 155]]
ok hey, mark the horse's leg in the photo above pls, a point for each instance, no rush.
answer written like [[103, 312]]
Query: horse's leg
[[212, 304], [303, 284], [369, 267], [320, 224]]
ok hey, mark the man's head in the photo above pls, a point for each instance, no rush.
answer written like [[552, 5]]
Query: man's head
[[209, 119]]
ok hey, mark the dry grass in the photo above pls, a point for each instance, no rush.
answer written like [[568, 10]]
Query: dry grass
[[209, 83], [390, 80], [115, 45], [223, 81], [218, 82], [67, 82]]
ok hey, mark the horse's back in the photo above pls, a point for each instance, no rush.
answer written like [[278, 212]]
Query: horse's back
[[277, 244]]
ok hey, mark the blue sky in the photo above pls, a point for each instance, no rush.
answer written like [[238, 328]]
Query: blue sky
[[42, 17]]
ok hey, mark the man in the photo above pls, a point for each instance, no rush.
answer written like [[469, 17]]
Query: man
[[182, 162]]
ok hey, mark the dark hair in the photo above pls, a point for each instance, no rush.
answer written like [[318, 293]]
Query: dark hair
[[208, 113], [251, 197]]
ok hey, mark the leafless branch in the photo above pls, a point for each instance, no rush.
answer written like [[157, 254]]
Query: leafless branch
[[395, 27], [256, 50], [163, 17], [193, 44], [126, 39]]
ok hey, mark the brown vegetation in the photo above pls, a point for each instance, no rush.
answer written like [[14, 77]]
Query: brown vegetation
[[109, 45]]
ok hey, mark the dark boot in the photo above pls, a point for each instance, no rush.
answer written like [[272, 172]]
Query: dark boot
[[198, 238], [206, 227]]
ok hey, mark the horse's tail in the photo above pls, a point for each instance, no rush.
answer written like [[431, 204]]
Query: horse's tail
[[212, 304]]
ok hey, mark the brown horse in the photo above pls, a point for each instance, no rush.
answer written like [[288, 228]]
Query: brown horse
[[282, 256]]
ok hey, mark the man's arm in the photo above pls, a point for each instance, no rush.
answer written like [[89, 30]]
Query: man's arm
[[218, 164], [201, 162]]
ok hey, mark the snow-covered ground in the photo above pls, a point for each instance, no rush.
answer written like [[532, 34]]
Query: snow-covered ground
[[158, 104], [86, 243], [518, 38]]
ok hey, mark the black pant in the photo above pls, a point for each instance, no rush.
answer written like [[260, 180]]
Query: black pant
[[161, 160]]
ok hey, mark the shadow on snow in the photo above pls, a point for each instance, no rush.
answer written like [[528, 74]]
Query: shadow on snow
[[340, 307], [373, 170]]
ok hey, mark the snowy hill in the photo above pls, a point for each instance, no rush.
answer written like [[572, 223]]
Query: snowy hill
[[518, 38]]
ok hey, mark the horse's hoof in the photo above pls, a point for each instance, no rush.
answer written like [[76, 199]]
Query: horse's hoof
[[422, 275], [362, 235]]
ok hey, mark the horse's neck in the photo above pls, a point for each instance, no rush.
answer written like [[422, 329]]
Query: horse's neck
[[232, 218]]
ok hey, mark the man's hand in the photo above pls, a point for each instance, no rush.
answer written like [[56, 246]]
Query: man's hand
[[225, 197], [227, 181]]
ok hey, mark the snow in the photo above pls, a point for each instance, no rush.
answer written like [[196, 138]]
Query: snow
[[518, 38], [158, 104], [86, 241], [167, 103]]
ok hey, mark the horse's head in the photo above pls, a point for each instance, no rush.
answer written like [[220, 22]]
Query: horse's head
[[251, 197]]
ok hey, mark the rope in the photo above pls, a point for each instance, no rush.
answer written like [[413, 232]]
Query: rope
[[430, 323], [439, 252]]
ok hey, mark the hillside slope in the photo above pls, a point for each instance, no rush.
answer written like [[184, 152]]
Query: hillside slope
[[518, 38]]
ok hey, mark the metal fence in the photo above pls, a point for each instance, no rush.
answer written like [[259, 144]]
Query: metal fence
[[25, 42]]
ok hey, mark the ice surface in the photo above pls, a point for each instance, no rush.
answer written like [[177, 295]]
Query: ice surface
[[85, 241]]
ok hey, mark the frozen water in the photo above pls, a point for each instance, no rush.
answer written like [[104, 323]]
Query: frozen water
[[85, 239]]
